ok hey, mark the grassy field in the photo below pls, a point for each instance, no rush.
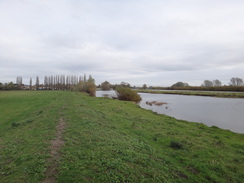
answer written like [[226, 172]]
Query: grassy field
[[197, 93], [108, 140]]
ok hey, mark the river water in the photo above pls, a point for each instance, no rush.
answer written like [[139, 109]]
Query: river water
[[226, 113]]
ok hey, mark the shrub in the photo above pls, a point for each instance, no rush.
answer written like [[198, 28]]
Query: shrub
[[127, 94], [91, 89], [88, 86]]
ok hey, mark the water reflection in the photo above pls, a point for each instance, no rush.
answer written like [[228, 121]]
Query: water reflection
[[226, 113], [108, 94]]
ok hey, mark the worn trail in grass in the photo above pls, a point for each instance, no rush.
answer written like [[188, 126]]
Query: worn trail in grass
[[28, 123], [56, 145], [111, 141]]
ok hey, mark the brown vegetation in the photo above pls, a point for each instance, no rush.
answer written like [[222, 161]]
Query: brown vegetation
[[127, 94], [155, 103]]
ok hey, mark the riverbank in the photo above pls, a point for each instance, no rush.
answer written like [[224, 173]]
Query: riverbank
[[197, 93], [110, 141]]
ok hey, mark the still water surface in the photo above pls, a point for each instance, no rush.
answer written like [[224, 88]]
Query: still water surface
[[226, 113]]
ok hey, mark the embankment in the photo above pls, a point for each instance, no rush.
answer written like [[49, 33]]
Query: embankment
[[108, 140]]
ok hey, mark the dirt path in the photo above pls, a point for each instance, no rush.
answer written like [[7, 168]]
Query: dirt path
[[56, 145]]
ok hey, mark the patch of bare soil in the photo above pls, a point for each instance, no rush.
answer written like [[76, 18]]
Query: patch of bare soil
[[56, 145]]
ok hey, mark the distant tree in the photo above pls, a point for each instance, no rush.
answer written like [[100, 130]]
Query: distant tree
[[235, 81], [37, 83], [125, 84], [58, 85], [114, 86], [1, 86], [144, 86], [80, 78], [30, 83], [179, 84], [105, 85], [217, 82], [207, 83], [19, 82], [51, 82], [10, 86], [68, 84], [62, 80], [45, 82]]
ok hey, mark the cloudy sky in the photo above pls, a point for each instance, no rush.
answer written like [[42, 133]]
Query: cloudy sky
[[157, 42]]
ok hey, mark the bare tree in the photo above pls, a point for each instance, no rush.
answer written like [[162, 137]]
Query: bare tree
[[51, 82], [62, 79], [84, 78], [217, 82], [68, 82], [30, 83], [80, 79], [46, 83], [19, 82], [207, 83], [58, 82], [125, 84], [235, 81], [37, 83]]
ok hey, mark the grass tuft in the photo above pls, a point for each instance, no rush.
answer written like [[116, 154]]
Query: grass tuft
[[176, 144]]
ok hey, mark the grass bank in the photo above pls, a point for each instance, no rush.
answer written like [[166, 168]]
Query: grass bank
[[110, 141], [197, 93]]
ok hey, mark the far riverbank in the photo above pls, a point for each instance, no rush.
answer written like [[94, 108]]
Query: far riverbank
[[196, 93]]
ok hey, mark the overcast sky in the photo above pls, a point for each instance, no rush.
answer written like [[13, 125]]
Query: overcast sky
[[157, 42]]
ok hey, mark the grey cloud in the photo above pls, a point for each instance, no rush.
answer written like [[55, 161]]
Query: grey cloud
[[123, 40]]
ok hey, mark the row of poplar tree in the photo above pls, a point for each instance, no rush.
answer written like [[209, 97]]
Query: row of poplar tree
[[61, 82]]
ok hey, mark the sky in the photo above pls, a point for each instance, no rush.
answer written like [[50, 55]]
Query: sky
[[156, 42]]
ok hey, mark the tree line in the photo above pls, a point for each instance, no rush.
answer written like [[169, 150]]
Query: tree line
[[235, 84], [55, 82], [81, 83]]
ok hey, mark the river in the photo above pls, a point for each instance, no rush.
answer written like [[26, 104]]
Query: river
[[226, 113]]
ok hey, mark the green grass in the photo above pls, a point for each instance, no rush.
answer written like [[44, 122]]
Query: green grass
[[110, 141], [197, 93], [27, 124]]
